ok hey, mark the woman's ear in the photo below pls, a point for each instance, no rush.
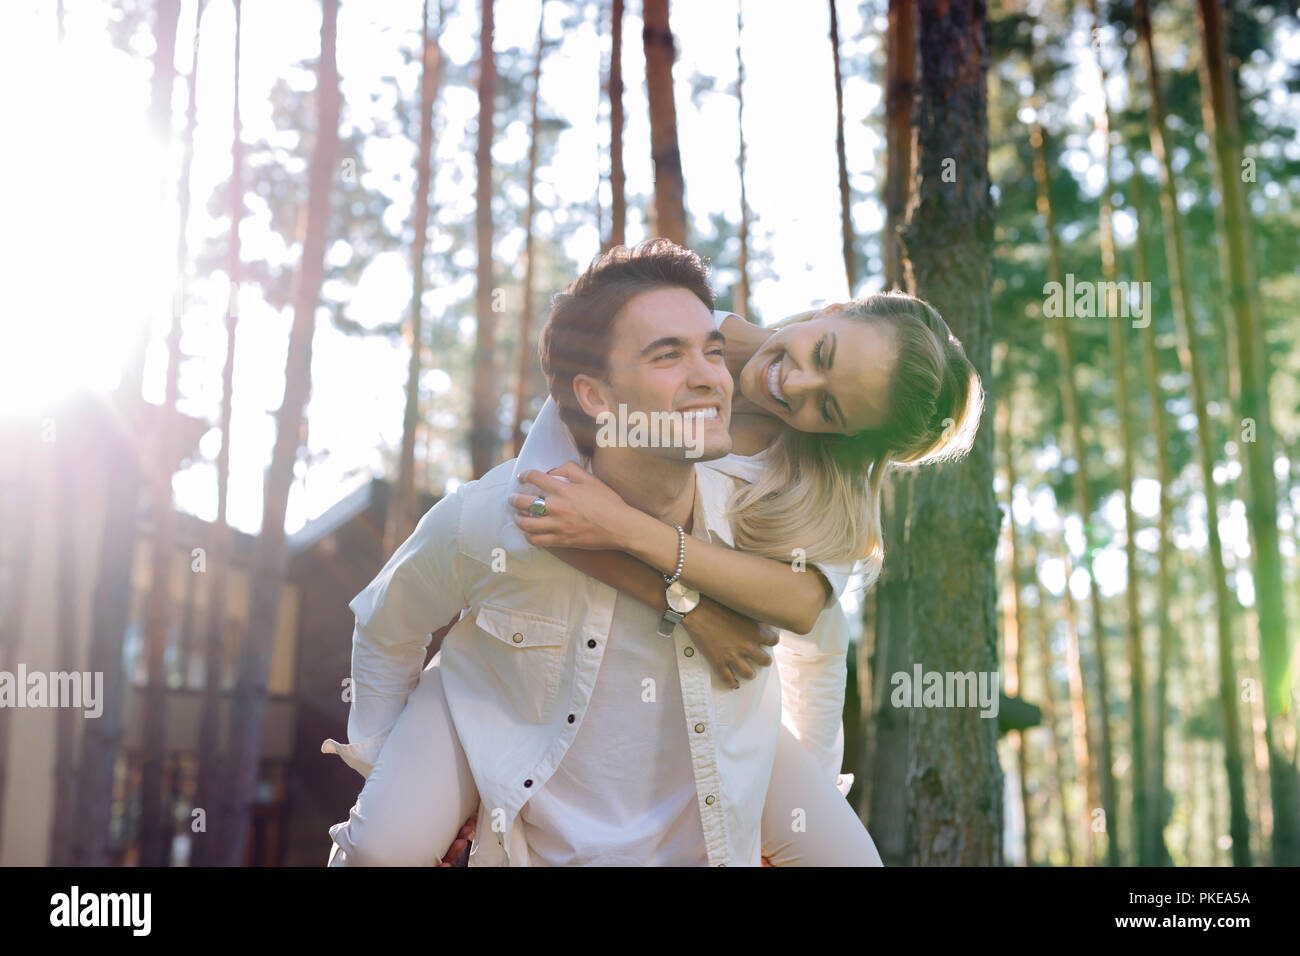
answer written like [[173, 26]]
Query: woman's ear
[[592, 394]]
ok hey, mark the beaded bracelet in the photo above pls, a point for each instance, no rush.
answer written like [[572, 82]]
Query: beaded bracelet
[[681, 555]]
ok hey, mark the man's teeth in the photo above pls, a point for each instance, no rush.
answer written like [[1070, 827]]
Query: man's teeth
[[701, 413], [774, 381]]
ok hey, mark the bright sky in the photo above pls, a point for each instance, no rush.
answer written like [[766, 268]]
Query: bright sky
[[96, 250]]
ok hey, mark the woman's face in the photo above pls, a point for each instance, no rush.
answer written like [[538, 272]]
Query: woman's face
[[830, 373]]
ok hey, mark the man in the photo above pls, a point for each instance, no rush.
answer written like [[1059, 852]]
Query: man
[[589, 739]]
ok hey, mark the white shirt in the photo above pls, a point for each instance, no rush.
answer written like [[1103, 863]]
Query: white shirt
[[526, 655], [624, 795]]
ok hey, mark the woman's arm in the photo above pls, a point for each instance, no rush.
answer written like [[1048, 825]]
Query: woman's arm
[[733, 644], [583, 512], [762, 588]]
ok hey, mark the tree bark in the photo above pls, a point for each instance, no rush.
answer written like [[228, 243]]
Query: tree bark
[[669, 205], [484, 441], [954, 781], [267, 574]]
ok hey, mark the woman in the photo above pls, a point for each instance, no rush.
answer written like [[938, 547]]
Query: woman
[[826, 402]]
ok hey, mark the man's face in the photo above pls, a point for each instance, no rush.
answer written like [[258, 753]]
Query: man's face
[[666, 356]]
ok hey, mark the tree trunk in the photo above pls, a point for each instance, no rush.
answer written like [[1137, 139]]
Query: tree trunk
[[884, 792], [1013, 627], [741, 298], [954, 781], [1276, 647], [1050, 718], [1081, 734], [884, 803], [1191, 357], [402, 516], [526, 349], [900, 91], [155, 812], [614, 90], [267, 573], [1158, 851], [125, 463], [657, 38], [484, 441], [1141, 822], [68, 460], [846, 217], [211, 755], [20, 515], [1100, 743]]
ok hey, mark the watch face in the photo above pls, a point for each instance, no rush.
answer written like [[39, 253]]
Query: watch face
[[681, 598]]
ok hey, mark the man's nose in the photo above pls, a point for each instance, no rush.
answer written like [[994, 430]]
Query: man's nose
[[708, 374]]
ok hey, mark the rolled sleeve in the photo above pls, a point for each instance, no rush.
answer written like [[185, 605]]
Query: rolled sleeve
[[418, 590], [837, 576], [813, 669]]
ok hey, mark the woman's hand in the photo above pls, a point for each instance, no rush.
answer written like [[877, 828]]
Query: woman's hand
[[732, 643], [582, 512]]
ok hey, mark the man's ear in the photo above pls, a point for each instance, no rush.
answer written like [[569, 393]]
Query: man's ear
[[593, 395]]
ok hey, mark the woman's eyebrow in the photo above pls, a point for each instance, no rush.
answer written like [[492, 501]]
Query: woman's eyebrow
[[831, 400]]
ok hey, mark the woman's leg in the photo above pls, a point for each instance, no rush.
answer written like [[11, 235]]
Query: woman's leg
[[806, 820], [419, 793]]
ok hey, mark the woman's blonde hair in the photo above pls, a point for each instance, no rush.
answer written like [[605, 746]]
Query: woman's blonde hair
[[821, 492]]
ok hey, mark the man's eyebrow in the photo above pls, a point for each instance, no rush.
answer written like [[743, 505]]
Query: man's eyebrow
[[675, 341]]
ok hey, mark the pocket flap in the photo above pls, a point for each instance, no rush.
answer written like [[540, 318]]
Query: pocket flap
[[520, 628]]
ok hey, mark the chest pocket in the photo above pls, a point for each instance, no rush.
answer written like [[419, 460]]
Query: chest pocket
[[526, 652]]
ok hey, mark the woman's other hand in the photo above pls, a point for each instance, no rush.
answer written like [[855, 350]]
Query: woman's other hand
[[581, 512], [733, 644]]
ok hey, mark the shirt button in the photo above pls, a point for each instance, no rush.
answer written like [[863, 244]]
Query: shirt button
[[518, 638], [689, 652], [528, 783], [591, 642], [709, 799], [699, 728], [572, 718]]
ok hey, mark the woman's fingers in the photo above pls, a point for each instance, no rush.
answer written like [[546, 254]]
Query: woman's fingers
[[740, 667], [571, 470]]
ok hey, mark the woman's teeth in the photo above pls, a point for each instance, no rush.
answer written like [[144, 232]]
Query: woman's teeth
[[774, 382]]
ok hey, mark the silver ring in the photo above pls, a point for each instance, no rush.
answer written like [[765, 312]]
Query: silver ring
[[538, 508]]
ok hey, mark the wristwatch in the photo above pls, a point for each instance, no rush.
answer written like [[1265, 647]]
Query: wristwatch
[[681, 601]]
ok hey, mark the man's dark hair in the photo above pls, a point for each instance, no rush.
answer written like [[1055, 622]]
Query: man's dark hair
[[576, 339]]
